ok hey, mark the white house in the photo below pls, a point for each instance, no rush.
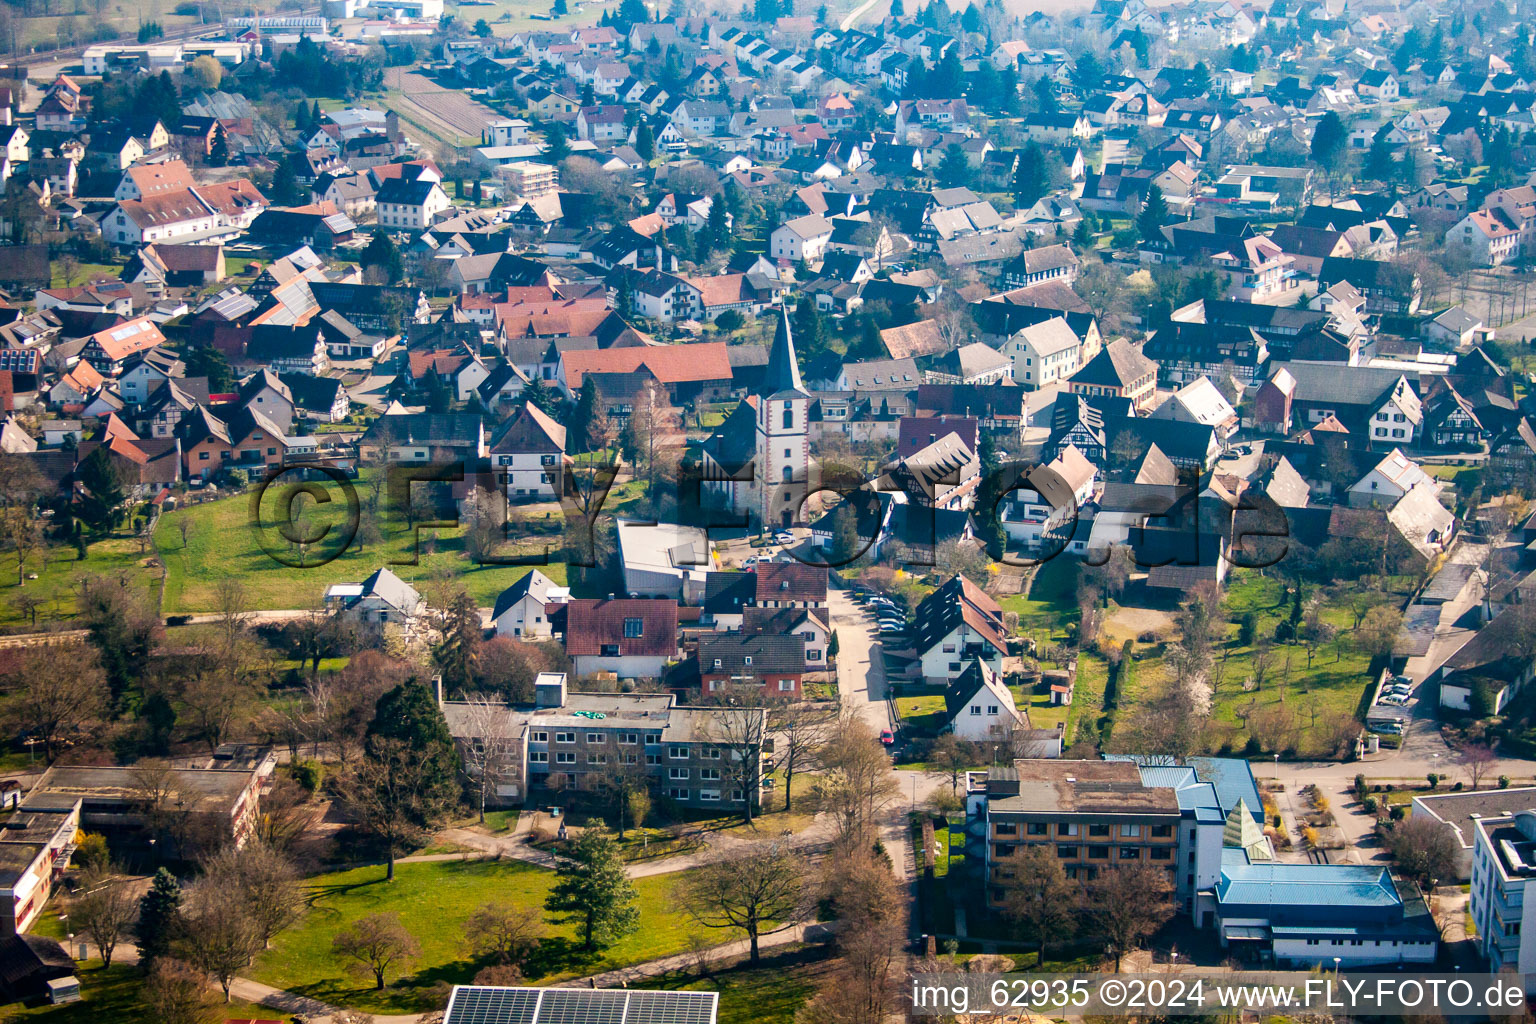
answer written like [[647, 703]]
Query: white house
[[410, 205], [804, 238], [381, 598], [1044, 353], [956, 624], [530, 450], [525, 608], [1387, 481], [979, 708]]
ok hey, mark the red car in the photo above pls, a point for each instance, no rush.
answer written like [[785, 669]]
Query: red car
[[887, 737]]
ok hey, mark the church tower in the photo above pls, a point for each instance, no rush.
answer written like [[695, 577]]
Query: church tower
[[783, 461]]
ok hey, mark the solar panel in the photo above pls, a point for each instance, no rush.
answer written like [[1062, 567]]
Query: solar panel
[[481, 1004]]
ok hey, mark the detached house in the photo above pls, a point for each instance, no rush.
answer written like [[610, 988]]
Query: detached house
[[633, 638], [957, 624], [409, 205], [530, 452]]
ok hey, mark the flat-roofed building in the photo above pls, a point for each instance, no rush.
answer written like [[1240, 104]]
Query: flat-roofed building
[[35, 846]]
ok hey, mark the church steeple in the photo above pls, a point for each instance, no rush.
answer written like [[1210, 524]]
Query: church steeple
[[783, 374]]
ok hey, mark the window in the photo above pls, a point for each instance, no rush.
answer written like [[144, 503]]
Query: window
[[633, 628], [1098, 853], [565, 737], [1005, 829], [709, 774], [565, 757], [1066, 852], [538, 737], [1066, 830], [786, 686], [1099, 830], [610, 650], [538, 756], [629, 739], [1162, 831], [991, 709], [710, 754], [677, 752], [677, 794], [1162, 854], [597, 759], [1130, 853], [1130, 831], [709, 795], [677, 773], [975, 709], [1038, 828]]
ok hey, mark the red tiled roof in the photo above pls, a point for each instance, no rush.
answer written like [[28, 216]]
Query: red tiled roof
[[805, 582], [590, 623], [671, 364]]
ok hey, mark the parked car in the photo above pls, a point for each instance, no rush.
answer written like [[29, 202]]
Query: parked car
[[750, 562], [887, 737], [784, 538]]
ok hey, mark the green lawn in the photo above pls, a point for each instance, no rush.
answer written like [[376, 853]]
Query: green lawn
[[769, 993], [923, 713], [224, 543], [115, 996], [433, 900], [55, 585], [1052, 600]]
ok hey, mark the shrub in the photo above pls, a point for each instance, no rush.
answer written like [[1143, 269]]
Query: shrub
[[1458, 786], [92, 853], [308, 774], [1503, 781], [1360, 787], [1433, 779], [729, 321], [1253, 746], [1398, 813], [1309, 834], [1370, 805]]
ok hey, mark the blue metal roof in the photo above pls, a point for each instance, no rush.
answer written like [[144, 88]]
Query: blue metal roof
[[1233, 780], [1312, 886]]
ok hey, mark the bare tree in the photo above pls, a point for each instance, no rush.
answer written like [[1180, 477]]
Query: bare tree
[[1127, 904], [60, 690], [105, 910], [395, 794], [1426, 850], [488, 753], [801, 731], [23, 536], [952, 756], [376, 945], [218, 933], [217, 695], [857, 780], [1478, 759], [765, 883], [737, 725], [287, 814], [177, 993], [1039, 897], [505, 932], [266, 882]]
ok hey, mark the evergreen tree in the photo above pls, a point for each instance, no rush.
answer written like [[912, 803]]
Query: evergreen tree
[[719, 234], [810, 339], [1379, 165], [384, 254], [624, 302], [556, 146], [1329, 140], [477, 193], [218, 152], [104, 494], [898, 9], [1045, 95], [593, 892], [301, 120], [645, 142], [458, 188], [285, 184], [410, 713], [559, 9], [316, 117], [1154, 212], [630, 13], [159, 912], [955, 169], [583, 415], [971, 19], [1200, 79], [948, 78], [541, 395], [1030, 181]]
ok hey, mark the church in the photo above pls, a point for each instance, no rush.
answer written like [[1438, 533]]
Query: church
[[759, 460]]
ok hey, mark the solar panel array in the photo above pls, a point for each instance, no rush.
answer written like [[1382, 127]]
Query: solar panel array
[[481, 1004]]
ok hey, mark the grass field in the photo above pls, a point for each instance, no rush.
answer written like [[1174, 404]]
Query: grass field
[[433, 900], [55, 586], [224, 543], [769, 993], [113, 996]]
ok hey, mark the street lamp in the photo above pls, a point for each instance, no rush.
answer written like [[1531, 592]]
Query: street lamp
[[1335, 967]]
